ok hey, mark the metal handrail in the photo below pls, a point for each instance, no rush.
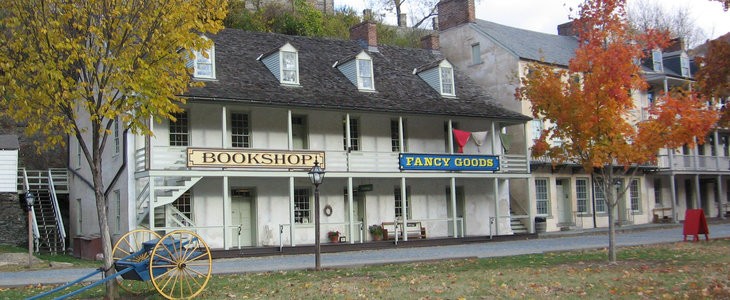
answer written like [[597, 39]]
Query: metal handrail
[[57, 210]]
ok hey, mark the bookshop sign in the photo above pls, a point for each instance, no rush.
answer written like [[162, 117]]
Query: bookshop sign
[[225, 158]]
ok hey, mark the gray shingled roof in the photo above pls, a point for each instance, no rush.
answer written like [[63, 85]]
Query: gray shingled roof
[[531, 45], [242, 78], [9, 142]]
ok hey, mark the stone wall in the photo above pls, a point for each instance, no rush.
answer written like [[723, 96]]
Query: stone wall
[[13, 224]]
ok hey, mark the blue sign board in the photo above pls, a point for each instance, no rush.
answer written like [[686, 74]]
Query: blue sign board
[[448, 162]]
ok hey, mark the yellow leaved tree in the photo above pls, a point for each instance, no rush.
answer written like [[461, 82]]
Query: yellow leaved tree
[[80, 66]]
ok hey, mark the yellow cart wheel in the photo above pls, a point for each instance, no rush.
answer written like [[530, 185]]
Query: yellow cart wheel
[[129, 243], [180, 265]]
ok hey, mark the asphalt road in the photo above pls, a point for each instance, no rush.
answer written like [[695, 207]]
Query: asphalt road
[[638, 235]]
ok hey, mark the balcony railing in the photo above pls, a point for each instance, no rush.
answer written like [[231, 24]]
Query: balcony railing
[[175, 158], [694, 163]]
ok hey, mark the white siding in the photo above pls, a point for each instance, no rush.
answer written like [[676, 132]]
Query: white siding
[[8, 171]]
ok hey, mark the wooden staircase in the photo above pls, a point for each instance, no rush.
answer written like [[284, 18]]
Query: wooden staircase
[[49, 230]]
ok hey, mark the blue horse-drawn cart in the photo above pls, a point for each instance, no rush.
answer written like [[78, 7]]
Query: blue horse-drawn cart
[[178, 265]]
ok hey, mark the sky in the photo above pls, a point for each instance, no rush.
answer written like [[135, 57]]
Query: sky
[[546, 15]]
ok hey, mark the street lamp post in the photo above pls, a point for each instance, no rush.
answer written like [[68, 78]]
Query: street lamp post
[[29, 199], [316, 175]]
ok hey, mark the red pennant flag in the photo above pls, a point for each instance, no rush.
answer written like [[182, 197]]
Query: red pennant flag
[[461, 138]]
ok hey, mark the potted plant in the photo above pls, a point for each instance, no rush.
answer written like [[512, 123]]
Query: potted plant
[[334, 236], [377, 232]]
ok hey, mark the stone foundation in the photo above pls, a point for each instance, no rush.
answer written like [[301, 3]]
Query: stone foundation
[[13, 221]]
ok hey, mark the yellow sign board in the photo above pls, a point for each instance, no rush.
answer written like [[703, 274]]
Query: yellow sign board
[[224, 158]]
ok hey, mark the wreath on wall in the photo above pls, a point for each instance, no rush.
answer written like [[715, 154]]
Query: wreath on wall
[[327, 210]]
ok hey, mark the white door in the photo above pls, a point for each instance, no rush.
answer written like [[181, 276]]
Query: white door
[[358, 214], [242, 217], [461, 223]]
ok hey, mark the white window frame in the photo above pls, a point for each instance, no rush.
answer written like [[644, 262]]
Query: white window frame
[[684, 65], [245, 136], [658, 197], [305, 195], [117, 143], [183, 126], [200, 60], [355, 131], [364, 58], [542, 196], [635, 195], [657, 60], [286, 50], [446, 80], [582, 195], [395, 136], [398, 202], [600, 196]]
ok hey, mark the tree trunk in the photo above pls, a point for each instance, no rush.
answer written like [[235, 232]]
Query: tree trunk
[[611, 235], [101, 211]]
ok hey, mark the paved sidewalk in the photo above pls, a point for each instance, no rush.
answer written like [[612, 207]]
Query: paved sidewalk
[[587, 239]]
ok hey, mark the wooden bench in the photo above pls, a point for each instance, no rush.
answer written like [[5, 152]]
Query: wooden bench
[[414, 230], [665, 214]]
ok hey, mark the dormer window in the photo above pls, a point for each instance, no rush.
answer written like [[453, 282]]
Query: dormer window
[[447, 80], [656, 57], [283, 63], [289, 67], [440, 76], [684, 64], [204, 63], [359, 70]]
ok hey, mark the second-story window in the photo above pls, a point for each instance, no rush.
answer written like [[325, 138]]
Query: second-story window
[[289, 67], [476, 54], [117, 142], [204, 63], [179, 129], [365, 74], [656, 57], [684, 64], [447, 81], [240, 131], [354, 134], [395, 136]]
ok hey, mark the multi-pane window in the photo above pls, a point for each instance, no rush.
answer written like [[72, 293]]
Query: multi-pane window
[[204, 64], [302, 206], [184, 205], [658, 192], [354, 134], [634, 194], [684, 63], [536, 128], [289, 67], [581, 193], [656, 56], [395, 136], [476, 54], [240, 131], [447, 81], [365, 74], [179, 129], [117, 142], [600, 196], [117, 211], [399, 202], [541, 195]]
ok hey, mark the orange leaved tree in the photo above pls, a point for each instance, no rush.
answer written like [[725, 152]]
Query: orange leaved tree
[[590, 106], [713, 77]]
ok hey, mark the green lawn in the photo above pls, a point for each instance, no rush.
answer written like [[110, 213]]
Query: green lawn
[[678, 270]]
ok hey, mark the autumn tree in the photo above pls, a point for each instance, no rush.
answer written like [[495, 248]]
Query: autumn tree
[[80, 66], [589, 106], [713, 77]]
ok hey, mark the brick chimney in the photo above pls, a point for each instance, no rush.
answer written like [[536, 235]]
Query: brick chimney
[[453, 13], [365, 34], [567, 29], [675, 44], [430, 42]]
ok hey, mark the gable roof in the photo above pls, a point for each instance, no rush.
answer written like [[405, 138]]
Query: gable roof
[[9, 142], [530, 45], [243, 79]]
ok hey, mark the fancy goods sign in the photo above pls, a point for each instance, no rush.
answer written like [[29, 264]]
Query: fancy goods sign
[[448, 162], [224, 158]]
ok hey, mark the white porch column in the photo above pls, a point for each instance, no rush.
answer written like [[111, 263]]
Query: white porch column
[[531, 208], [720, 199], [348, 142], [716, 147], [494, 140], [291, 210], [451, 137], [227, 215], [404, 203], [401, 142], [453, 207], [350, 194], [698, 193], [289, 138], [496, 206], [224, 127], [673, 192]]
